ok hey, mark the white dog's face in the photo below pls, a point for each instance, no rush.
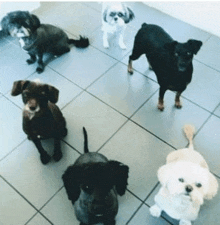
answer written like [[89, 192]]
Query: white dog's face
[[188, 179], [18, 31], [117, 14]]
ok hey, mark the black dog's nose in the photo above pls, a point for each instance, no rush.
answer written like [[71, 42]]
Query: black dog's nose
[[116, 18], [32, 108], [189, 188]]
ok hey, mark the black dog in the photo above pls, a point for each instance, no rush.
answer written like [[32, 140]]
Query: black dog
[[42, 119], [92, 184], [170, 60], [37, 38]]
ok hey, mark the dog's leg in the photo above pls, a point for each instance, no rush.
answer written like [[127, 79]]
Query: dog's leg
[[177, 100], [121, 40], [44, 157], [160, 105], [57, 150], [155, 211], [61, 51], [32, 59], [136, 53], [40, 67], [105, 40], [112, 222]]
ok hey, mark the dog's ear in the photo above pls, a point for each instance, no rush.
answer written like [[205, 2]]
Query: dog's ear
[[194, 45], [129, 15], [120, 174], [35, 22], [53, 94], [213, 187], [104, 14], [71, 180], [171, 46], [19, 86]]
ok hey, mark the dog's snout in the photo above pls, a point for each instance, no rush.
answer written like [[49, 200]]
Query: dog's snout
[[189, 188], [32, 108], [116, 18]]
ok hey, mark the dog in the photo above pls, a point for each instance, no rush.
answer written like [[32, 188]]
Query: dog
[[42, 119], [115, 17], [186, 182], [170, 60], [38, 39], [92, 184]]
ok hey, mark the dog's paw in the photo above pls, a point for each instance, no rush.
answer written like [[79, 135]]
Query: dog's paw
[[130, 69], [155, 211], [160, 106], [45, 158], [30, 61], [40, 69], [178, 105], [105, 45], [57, 156], [185, 222], [122, 46]]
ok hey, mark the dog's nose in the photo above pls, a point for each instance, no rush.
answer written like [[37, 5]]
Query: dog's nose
[[189, 188], [116, 18], [32, 108]]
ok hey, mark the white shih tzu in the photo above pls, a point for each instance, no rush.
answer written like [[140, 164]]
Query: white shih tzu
[[115, 16], [186, 181]]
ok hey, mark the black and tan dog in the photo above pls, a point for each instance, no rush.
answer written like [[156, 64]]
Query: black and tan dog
[[170, 60], [92, 184], [37, 38], [42, 119]]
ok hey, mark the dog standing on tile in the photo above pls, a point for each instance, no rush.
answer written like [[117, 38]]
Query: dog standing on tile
[[115, 17], [38, 39], [186, 182], [42, 119], [170, 60], [92, 184]]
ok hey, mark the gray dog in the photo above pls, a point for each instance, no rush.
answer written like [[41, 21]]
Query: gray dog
[[37, 38], [92, 184]]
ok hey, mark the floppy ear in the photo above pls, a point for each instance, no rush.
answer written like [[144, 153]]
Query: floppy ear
[[163, 174], [129, 15], [120, 173], [213, 187], [194, 45], [104, 14], [35, 22], [170, 46], [19, 86], [53, 94], [71, 182]]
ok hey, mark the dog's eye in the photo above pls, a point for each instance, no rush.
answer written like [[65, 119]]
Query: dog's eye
[[120, 14], [189, 53], [198, 185], [176, 54], [112, 14], [181, 180]]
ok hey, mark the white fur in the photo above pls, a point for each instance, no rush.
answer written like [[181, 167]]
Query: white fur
[[184, 168], [110, 25]]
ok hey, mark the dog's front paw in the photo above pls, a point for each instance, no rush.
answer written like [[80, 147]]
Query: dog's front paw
[[40, 69], [30, 61], [178, 104], [122, 46], [105, 44], [185, 222], [45, 158], [155, 211], [160, 106], [57, 156]]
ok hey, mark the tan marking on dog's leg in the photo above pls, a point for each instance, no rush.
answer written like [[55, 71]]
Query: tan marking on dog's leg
[[160, 104], [177, 100], [130, 69]]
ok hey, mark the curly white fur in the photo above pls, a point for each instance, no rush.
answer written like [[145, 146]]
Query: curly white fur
[[186, 181], [115, 16]]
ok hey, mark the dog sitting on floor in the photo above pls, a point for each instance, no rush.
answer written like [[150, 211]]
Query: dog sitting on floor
[[170, 60], [92, 184], [186, 181], [42, 119], [115, 17], [38, 39]]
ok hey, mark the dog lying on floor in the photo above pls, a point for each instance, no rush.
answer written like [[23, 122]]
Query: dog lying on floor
[[42, 119], [186, 181], [92, 184], [38, 39], [170, 60]]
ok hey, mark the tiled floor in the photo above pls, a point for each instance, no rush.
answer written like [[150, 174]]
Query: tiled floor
[[118, 110]]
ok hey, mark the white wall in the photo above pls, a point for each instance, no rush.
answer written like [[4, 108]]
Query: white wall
[[201, 14]]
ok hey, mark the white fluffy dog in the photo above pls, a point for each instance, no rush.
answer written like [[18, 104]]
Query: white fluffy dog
[[186, 181], [115, 16]]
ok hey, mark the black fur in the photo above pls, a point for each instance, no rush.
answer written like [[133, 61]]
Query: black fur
[[170, 60], [92, 184], [42, 38], [47, 122]]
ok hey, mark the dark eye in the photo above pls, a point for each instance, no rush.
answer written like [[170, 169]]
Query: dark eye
[[120, 14], [189, 53], [176, 54], [112, 14], [198, 185], [87, 188], [181, 180]]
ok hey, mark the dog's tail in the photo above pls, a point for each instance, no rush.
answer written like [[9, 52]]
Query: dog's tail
[[189, 131], [86, 150], [83, 42]]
